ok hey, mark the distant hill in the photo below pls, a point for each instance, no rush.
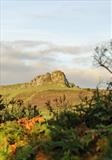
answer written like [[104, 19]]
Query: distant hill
[[43, 88], [56, 77]]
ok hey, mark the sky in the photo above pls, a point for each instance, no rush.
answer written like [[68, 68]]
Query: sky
[[42, 36]]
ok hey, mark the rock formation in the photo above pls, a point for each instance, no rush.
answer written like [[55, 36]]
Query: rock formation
[[56, 77]]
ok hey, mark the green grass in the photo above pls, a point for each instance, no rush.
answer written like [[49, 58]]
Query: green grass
[[39, 95], [11, 91]]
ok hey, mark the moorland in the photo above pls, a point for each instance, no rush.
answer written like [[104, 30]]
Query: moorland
[[49, 118]]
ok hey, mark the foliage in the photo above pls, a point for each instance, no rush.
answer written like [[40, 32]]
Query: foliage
[[16, 109], [69, 133], [101, 110], [23, 152]]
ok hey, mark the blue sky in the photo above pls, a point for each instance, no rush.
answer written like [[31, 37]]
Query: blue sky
[[40, 35], [67, 22]]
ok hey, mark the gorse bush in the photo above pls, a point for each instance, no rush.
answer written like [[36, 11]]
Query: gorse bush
[[101, 110], [2, 105], [16, 109], [69, 133], [96, 110], [77, 130]]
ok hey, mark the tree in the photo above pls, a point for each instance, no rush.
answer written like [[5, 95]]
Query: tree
[[103, 56], [2, 105]]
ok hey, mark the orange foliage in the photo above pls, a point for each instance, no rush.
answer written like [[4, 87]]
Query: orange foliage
[[13, 148], [42, 156], [28, 124]]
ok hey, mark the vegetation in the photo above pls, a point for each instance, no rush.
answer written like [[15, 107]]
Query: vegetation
[[69, 132], [64, 132]]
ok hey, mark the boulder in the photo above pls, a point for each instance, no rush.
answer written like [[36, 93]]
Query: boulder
[[56, 77]]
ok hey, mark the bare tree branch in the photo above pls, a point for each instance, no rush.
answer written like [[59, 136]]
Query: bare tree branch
[[103, 56]]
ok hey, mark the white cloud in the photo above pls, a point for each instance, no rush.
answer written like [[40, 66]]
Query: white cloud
[[88, 77], [23, 60]]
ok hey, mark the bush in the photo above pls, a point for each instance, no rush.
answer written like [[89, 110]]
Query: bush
[[101, 111], [16, 109]]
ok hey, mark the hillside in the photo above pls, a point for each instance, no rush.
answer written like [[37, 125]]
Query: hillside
[[43, 88], [49, 119]]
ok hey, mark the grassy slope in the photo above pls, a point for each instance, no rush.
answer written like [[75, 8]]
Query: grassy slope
[[41, 94]]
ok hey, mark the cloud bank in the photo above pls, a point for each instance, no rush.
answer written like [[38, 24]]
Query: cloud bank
[[22, 60]]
